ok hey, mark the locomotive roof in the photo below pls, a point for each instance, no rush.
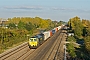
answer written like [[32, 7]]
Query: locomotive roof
[[38, 36]]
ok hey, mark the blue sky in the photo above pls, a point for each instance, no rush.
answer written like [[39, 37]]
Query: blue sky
[[52, 9]]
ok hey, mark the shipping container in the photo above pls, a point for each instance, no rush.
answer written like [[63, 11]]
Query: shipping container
[[53, 31], [56, 29], [50, 33], [46, 35], [59, 27]]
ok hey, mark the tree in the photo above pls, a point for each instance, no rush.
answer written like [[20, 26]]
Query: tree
[[77, 26], [21, 25], [29, 26], [73, 21], [11, 26]]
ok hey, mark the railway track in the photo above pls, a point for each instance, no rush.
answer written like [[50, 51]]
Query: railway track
[[47, 51], [57, 51], [60, 51], [16, 53]]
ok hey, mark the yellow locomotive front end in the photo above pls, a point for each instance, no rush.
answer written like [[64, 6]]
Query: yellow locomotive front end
[[33, 42]]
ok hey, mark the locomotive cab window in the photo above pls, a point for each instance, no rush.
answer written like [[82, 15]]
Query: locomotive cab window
[[31, 40], [35, 40]]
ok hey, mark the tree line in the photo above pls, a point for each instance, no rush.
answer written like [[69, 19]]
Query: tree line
[[81, 30]]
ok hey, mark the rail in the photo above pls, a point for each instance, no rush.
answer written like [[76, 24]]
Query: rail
[[13, 51]]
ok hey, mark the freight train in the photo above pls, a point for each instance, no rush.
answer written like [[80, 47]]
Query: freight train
[[37, 40]]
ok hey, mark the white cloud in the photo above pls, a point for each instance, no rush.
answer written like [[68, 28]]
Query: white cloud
[[58, 8], [25, 7], [71, 10], [45, 8]]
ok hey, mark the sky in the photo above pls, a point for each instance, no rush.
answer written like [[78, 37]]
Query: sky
[[59, 10]]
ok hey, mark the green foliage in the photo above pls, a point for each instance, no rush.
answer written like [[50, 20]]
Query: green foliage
[[86, 24], [87, 43], [10, 37], [78, 31], [84, 31], [70, 46], [11, 26], [71, 39], [71, 50], [73, 21], [21, 25], [29, 26], [37, 22], [77, 26], [88, 31]]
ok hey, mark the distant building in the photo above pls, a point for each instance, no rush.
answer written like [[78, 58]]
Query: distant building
[[2, 22]]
